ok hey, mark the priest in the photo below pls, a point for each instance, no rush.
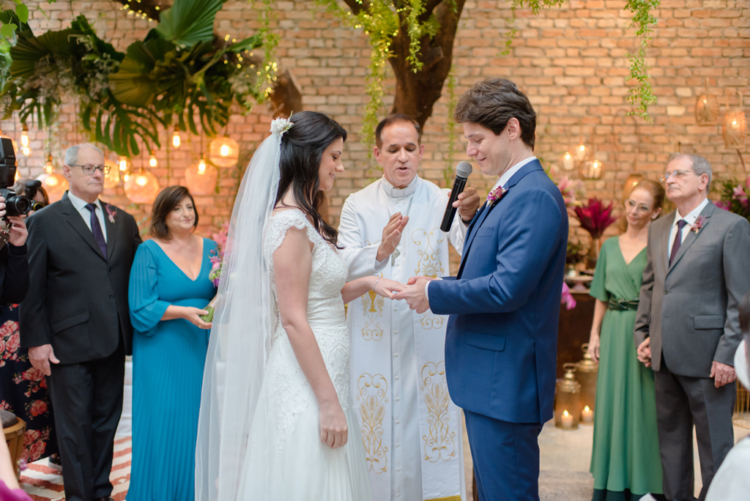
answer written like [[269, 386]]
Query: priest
[[410, 427]]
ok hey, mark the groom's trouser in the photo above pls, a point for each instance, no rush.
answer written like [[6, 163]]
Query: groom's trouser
[[682, 401], [506, 458]]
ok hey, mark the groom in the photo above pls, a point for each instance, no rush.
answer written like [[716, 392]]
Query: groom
[[501, 344]]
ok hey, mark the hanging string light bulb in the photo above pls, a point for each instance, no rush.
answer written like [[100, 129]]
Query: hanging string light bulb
[[123, 164], [112, 178], [25, 136], [49, 167], [224, 152], [200, 178], [176, 139], [54, 184], [152, 162], [141, 188]]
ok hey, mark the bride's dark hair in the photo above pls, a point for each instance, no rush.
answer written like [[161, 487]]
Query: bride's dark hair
[[302, 149]]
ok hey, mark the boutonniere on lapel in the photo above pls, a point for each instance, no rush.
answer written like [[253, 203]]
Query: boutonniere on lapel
[[495, 195], [111, 213], [698, 224]]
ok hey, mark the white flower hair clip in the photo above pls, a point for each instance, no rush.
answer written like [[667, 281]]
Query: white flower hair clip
[[281, 125]]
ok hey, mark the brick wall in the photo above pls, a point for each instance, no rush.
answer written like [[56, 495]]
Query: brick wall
[[572, 63]]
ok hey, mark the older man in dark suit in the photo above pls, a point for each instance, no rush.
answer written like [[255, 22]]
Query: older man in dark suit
[[75, 318], [687, 326]]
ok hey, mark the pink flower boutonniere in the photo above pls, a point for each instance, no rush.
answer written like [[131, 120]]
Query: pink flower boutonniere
[[495, 195], [698, 225], [112, 213]]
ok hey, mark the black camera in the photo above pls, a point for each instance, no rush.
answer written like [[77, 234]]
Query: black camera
[[15, 205]]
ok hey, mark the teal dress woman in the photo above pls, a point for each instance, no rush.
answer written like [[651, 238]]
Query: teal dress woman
[[625, 460], [169, 351]]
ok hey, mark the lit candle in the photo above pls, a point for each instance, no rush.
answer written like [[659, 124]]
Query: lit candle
[[568, 162], [567, 420], [581, 152], [587, 415]]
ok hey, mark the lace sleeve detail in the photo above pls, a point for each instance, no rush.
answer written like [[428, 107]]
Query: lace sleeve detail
[[280, 223]]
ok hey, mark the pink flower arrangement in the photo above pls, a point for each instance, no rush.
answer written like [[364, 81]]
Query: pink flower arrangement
[[734, 197], [570, 189], [567, 297], [595, 217], [217, 255]]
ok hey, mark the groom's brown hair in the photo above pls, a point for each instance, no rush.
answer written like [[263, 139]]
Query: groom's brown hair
[[491, 103]]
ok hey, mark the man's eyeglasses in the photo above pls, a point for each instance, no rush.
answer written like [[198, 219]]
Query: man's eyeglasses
[[677, 174], [90, 169]]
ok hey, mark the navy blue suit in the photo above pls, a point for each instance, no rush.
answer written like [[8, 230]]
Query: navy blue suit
[[501, 343]]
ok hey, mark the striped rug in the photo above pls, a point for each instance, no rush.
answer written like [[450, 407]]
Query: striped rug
[[43, 483]]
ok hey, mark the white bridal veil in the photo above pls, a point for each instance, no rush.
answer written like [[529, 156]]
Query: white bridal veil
[[241, 334]]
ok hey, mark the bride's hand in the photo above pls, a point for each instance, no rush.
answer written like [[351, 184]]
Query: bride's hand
[[333, 428], [387, 288]]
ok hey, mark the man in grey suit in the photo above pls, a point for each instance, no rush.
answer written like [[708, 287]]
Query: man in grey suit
[[687, 326]]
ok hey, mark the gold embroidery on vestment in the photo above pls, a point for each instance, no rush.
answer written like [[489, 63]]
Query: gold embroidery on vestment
[[439, 443], [372, 396], [428, 243]]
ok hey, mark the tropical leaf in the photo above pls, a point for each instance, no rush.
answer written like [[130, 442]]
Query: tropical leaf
[[133, 83], [30, 50], [188, 22]]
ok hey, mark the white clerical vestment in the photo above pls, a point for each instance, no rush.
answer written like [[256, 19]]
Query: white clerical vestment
[[410, 427]]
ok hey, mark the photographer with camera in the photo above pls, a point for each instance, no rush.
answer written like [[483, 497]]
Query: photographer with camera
[[27, 396], [14, 266]]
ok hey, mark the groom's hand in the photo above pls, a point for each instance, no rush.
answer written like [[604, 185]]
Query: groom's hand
[[467, 204], [415, 296]]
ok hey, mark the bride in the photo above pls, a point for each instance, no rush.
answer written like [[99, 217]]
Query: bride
[[276, 420]]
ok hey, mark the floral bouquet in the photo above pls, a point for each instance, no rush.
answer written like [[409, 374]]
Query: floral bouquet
[[734, 197], [570, 191], [217, 258]]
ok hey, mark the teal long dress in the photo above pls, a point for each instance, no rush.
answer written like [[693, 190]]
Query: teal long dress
[[168, 359], [625, 459]]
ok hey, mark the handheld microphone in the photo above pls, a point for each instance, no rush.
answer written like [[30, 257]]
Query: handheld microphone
[[463, 170]]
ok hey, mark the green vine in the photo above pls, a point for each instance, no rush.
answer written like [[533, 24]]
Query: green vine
[[381, 22], [642, 95], [270, 40], [639, 97]]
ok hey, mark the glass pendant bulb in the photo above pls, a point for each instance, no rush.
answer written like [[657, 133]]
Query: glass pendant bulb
[[152, 160], [176, 140]]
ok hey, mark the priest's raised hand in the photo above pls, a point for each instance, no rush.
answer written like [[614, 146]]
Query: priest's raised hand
[[391, 235]]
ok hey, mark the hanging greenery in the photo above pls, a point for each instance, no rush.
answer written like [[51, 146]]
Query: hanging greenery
[[180, 73], [641, 96]]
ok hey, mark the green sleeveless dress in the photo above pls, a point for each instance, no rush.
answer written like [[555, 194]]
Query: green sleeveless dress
[[625, 460]]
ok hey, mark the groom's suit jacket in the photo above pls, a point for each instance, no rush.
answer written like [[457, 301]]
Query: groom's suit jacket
[[689, 309], [501, 344]]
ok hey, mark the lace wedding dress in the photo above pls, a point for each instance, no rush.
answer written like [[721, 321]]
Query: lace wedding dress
[[285, 458]]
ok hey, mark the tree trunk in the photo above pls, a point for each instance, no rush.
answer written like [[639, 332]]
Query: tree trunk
[[416, 93]]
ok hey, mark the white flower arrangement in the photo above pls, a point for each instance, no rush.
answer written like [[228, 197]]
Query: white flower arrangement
[[280, 126]]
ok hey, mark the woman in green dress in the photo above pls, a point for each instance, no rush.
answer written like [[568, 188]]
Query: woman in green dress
[[625, 459]]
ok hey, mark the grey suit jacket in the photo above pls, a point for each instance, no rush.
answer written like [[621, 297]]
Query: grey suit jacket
[[690, 309]]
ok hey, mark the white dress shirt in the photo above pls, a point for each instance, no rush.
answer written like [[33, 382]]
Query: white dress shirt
[[689, 219], [80, 206], [502, 181]]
